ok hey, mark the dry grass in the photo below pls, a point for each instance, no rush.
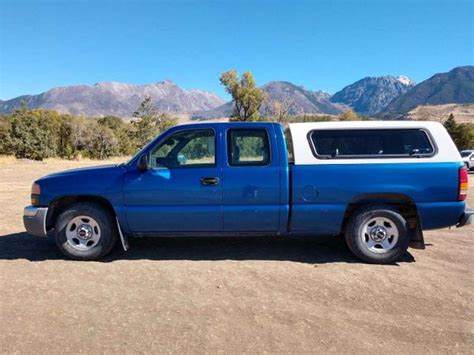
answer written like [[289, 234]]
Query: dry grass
[[232, 295], [10, 159], [463, 113], [7, 159]]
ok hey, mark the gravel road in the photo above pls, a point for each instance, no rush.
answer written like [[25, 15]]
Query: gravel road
[[232, 295]]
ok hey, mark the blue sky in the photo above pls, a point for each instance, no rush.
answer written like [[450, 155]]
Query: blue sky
[[318, 44]]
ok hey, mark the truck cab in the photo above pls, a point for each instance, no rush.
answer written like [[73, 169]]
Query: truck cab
[[211, 178], [378, 183]]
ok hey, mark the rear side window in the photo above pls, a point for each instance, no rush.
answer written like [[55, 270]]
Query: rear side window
[[370, 143], [248, 147]]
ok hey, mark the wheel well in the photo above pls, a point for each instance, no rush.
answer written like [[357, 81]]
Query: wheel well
[[403, 203], [59, 205]]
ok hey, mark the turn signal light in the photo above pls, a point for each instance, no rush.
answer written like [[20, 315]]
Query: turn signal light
[[463, 184], [35, 194]]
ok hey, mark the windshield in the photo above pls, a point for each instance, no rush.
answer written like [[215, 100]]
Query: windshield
[[466, 154]]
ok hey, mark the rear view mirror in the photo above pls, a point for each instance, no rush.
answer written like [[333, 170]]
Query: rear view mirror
[[143, 164]]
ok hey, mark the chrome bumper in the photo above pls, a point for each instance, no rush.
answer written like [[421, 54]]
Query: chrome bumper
[[34, 219], [466, 218]]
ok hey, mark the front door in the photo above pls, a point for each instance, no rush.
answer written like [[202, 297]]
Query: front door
[[182, 190]]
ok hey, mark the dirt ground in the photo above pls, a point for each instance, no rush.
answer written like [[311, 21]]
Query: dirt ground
[[233, 295]]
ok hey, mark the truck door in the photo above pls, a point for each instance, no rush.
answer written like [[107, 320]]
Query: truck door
[[182, 190], [251, 180]]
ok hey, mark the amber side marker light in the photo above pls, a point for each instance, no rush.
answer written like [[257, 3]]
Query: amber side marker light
[[463, 184], [35, 194]]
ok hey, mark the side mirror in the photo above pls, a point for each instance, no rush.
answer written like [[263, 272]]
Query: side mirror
[[182, 159], [143, 163]]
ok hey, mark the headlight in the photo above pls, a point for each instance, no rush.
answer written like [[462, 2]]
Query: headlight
[[35, 194]]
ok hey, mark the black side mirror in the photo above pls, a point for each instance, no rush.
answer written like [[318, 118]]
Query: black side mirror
[[143, 163]]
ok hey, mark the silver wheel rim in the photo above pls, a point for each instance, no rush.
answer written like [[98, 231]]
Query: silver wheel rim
[[379, 234], [82, 233]]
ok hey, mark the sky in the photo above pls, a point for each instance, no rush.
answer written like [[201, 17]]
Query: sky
[[321, 45]]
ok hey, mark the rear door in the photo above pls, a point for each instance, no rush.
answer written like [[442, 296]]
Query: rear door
[[251, 180]]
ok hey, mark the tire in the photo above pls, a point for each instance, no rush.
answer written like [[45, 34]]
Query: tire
[[85, 231], [377, 235]]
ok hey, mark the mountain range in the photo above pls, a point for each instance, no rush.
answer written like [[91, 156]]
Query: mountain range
[[369, 96], [117, 99], [455, 86], [297, 99], [382, 97]]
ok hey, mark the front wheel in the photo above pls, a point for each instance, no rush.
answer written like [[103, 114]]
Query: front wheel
[[85, 231], [377, 234]]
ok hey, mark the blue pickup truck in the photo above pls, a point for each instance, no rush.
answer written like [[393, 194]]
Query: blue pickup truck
[[380, 184]]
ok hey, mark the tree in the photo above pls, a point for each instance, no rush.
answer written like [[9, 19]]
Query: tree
[[462, 134], [247, 97], [149, 122], [281, 109], [348, 115], [5, 136], [103, 143], [28, 139], [123, 132], [451, 125]]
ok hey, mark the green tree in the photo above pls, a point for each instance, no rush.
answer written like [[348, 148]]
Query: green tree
[[49, 121], [103, 143], [28, 138], [66, 147], [462, 134], [149, 122], [5, 135], [123, 131], [246, 96]]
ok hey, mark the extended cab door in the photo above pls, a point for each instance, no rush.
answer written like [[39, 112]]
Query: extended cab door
[[251, 179], [182, 190]]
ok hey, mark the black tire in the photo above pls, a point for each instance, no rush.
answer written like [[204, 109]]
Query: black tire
[[106, 227], [355, 237]]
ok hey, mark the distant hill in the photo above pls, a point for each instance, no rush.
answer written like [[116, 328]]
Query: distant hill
[[463, 113], [118, 99], [455, 86], [371, 95], [299, 100]]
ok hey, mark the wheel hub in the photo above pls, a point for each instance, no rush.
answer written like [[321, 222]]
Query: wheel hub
[[378, 233], [84, 232]]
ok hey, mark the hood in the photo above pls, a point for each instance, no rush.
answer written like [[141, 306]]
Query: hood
[[102, 181], [101, 169]]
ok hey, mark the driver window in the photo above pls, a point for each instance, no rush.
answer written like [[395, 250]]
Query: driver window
[[190, 148]]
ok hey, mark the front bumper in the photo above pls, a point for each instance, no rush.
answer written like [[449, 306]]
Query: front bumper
[[466, 218], [34, 219]]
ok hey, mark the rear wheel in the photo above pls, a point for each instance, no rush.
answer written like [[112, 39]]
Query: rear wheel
[[377, 234], [85, 231]]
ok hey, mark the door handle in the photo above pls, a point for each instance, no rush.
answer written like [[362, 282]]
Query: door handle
[[209, 181]]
